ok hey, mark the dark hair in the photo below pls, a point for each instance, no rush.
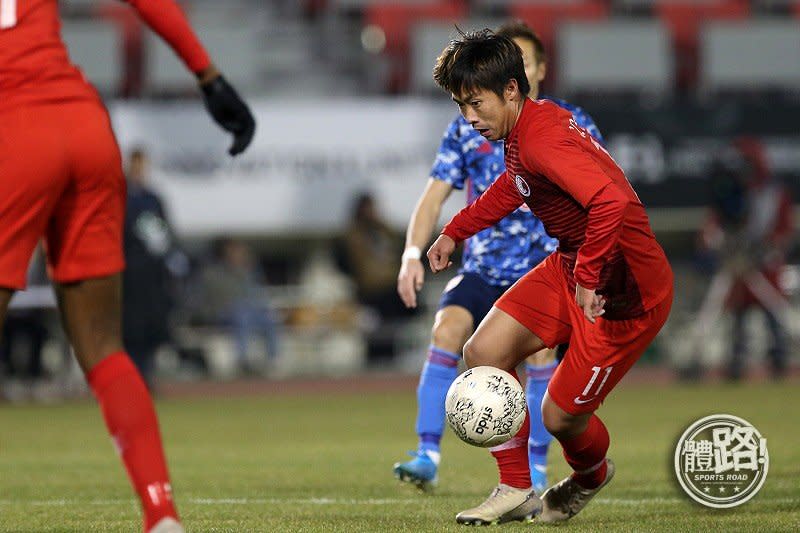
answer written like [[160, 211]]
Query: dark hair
[[516, 29], [480, 60]]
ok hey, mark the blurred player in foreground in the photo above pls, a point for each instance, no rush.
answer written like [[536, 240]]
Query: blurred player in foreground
[[493, 260], [61, 178], [607, 291]]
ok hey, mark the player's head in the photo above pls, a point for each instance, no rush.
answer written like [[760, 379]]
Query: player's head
[[534, 57], [485, 75]]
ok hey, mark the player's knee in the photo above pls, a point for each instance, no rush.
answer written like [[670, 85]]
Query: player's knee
[[557, 422], [445, 337], [477, 353], [554, 424], [449, 333]]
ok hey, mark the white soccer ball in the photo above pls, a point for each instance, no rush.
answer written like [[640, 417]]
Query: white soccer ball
[[485, 406]]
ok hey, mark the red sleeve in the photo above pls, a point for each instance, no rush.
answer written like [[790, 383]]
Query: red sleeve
[[606, 214], [167, 19], [500, 199], [560, 154]]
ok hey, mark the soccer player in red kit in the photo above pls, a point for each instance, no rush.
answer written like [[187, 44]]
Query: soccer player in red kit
[[606, 291], [61, 179]]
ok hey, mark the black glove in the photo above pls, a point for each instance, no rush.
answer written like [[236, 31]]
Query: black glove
[[230, 112]]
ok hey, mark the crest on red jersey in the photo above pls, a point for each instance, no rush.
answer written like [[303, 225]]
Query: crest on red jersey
[[522, 186]]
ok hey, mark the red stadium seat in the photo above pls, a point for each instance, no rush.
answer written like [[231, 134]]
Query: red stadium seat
[[544, 16], [396, 20], [684, 19]]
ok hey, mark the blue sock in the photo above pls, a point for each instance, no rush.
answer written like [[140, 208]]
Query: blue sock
[[539, 439], [438, 374]]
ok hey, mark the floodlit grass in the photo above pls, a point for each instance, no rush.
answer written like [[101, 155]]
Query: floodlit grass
[[323, 463]]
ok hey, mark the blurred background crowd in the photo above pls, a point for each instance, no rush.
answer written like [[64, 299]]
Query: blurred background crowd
[[284, 262]]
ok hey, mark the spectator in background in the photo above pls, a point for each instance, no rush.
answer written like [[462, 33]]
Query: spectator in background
[[154, 263], [748, 234], [233, 295], [370, 251]]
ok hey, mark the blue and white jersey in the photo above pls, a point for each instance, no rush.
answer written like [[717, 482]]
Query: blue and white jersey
[[505, 252]]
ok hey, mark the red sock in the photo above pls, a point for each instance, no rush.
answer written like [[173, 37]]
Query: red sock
[[586, 454], [131, 421], [512, 456]]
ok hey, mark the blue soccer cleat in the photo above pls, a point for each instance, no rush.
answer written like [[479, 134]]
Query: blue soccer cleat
[[421, 471]]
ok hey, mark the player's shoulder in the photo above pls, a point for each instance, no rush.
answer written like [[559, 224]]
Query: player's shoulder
[[581, 116], [560, 102], [545, 123], [549, 108], [576, 111], [542, 116]]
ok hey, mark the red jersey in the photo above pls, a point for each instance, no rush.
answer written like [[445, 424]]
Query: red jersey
[[583, 199], [35, 66]]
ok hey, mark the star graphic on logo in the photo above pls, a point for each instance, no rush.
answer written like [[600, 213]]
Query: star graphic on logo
[[722, 489], [707, 489], [736, 489]]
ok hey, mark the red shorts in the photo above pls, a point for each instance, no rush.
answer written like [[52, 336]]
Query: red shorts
[[60, 178], [599, 354]]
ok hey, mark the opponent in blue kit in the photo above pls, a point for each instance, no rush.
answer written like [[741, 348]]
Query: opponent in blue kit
[[492, 261]]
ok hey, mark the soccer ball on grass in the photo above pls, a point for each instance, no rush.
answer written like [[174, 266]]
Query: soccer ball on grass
[[485, 406]]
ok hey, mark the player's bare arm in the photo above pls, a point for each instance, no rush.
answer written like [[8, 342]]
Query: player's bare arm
[[423, 219]]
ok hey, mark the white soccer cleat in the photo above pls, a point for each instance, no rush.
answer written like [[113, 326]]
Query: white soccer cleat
[[167, 525], [504, 504], [566, 498]]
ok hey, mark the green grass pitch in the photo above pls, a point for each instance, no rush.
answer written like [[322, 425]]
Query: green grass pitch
[[323, 463]]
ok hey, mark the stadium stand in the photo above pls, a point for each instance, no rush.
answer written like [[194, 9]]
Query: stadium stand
[[769, 48], [88, 42], [684, 18], [236, 44], [427, 41], [547, 16], [396, 20], [599, 56]]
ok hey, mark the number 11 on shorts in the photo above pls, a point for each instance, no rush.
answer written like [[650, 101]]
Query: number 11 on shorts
[[596, 371]]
